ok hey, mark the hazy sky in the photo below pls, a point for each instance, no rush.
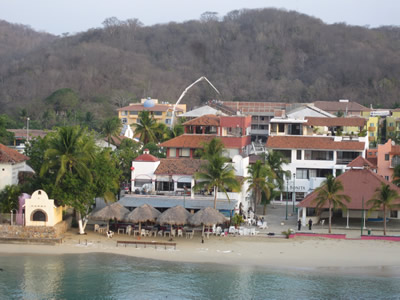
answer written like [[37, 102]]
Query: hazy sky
[[59, 16]]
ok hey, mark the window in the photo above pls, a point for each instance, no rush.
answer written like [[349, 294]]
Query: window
[[371, 134], [298, 155], [124, 113], [133, 113], [318, 155], [169, 113], [287, 154], [301, 174], [391, 124], [167, 121], [184, 152], [371, 125], [172, 152], [124, 120], [182, 185], [387, 178], [158, 113], [387, 157], [142, 182], [281, 127]]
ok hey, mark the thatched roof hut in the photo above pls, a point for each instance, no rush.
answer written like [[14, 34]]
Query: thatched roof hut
[[176, 215], [144, 213], [114, 211], [207, 217]]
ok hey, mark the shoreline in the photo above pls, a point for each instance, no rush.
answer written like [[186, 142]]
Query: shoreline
[[347, 257]]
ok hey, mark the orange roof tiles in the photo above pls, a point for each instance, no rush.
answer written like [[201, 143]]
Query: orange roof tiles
[[146, 158], [311, 142], [330, 122], [11, 156], [206, 120], [181, 166], [358, 185], [188, 141], [361, 162]]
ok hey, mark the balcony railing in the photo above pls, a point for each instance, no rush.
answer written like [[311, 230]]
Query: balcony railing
[[371, 128]]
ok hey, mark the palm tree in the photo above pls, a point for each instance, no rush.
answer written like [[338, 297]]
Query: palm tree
[[217, 175], [384, 198], [213, 148], [329, 193], [275, 160], [9, 198], [111, 128], [258, 181], [69, 151], [146, 128], [175, 131]]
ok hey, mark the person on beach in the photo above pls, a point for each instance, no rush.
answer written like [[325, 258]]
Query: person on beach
[[309, 224], [299, 225]]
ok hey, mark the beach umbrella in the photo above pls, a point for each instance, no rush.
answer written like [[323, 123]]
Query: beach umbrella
[[113, 211], [144, 213], [207, 217], [176, 215]]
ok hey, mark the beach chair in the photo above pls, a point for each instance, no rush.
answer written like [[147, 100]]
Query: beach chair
[[232, 230], [218, 230], [143, 232], [263, 225], [180, 233], [173, 232], [129, 229], [160, 233], [96, 227]]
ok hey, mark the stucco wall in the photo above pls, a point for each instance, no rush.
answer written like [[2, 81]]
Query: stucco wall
[[33, 232]]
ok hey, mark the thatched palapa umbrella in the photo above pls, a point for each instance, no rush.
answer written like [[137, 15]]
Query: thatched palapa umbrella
[[176, 215], [144, 213], [207, 217], [114, 211]]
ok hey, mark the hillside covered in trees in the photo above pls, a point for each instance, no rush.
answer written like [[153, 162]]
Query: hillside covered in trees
[[249, 55]]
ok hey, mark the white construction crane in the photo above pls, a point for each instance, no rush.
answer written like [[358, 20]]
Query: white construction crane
[[184, 92]]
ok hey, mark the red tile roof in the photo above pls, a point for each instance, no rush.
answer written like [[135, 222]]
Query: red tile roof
[[361, 162], [340, 106], [156, 107], [311, 142], [146, 158], [179, 166], [206, 120], [196, 141], [193, 141], [11, 156], [330, 122], [358, 185]]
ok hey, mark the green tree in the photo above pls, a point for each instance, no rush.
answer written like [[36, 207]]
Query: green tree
[[111, 128], [329, 193], [126, 153], [9, 198], [396, 175], [259, 181], [383, 198], [275, 160], [146, 128], [6, 137], [63, 100], [69, 157], [213, 148], [218, 175], [175, 131]]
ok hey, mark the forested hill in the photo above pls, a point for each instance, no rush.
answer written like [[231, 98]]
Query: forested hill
[[249, 55]]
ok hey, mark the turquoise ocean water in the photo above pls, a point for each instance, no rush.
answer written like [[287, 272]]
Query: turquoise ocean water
[[106, 276]]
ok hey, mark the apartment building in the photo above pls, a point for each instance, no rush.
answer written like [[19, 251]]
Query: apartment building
[[233, 131], [162, 112]]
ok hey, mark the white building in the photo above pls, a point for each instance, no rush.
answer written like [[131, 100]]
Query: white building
[[311, 158], [167, 182], [41, 211], [11, 163]]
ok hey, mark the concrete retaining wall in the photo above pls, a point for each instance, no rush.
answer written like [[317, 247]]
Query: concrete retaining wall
[[330, 236]]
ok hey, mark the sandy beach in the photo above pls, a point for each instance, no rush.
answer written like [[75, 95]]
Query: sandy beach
[[378, 257]]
